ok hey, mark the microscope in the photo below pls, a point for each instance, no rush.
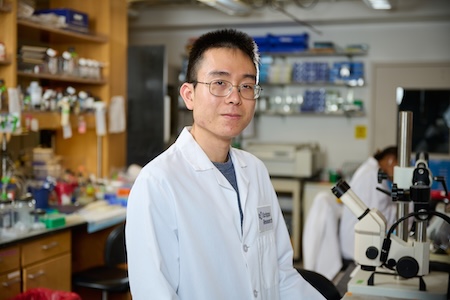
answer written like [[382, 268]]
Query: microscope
[[392, 263]]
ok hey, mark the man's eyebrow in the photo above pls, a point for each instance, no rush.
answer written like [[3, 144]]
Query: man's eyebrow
[[219, 73], [251, 76], [224, 73]]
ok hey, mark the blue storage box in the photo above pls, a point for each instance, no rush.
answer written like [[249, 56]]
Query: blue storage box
[[289, 40], [75, 20], [282, 43]]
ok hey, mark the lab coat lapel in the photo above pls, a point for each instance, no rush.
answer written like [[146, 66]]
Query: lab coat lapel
[[242, 178]]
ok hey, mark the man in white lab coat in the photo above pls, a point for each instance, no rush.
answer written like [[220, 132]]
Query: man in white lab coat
[[364, 184], [203, 220]]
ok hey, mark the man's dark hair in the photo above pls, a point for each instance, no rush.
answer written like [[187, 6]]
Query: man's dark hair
[[223, 38], [391, 150]]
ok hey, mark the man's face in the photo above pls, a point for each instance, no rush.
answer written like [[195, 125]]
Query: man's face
[[220, 117]]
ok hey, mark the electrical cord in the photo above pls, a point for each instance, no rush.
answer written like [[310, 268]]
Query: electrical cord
[[387, 241]]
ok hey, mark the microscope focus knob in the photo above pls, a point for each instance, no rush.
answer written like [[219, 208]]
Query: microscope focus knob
[[381, 176], [397, 193], [372, 252], [407, 267]]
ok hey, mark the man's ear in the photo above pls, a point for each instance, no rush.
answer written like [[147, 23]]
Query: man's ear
[[187, 93]]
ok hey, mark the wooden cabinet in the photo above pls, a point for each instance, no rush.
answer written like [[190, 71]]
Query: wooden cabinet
[[10, 279], [53, 273], [46, 247], [46, 262], [106, 42]]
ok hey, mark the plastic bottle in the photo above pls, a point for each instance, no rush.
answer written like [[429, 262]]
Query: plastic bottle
[[35, 91]]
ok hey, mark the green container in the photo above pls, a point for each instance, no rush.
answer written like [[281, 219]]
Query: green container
[[53, 220]]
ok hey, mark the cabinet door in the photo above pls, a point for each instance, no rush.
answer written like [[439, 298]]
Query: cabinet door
[[9, 259], [52, 274], [10, 283], [45, 247]]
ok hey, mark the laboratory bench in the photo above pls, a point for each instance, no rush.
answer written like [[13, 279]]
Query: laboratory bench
[[48, 257]]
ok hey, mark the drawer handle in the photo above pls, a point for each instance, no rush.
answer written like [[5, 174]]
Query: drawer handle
[[11, 282], [36, 275], [49, 246]]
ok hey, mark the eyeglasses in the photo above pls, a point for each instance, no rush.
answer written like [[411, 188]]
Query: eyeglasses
[[222, 88]]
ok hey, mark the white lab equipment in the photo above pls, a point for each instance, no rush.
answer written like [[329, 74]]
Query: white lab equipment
[[396, 265]]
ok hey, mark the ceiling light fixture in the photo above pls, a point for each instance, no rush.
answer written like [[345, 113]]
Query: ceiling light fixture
[[231, 7], [379, 4]]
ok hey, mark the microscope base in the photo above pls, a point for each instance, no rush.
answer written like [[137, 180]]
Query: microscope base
[[396, 287]]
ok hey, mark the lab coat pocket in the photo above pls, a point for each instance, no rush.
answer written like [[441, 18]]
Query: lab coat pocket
[[268, 261]]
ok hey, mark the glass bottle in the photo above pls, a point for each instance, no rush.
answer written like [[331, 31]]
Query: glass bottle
[[22, 209], [6, 211]]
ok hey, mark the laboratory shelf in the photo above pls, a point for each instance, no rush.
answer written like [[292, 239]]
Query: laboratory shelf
[[352, 114], [64, 78], [315, 54], [52, 120], [5, 62], [5, 8], [62, 35], [309, 84]]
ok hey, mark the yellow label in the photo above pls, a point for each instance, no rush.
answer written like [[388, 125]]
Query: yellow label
[[360, 131]]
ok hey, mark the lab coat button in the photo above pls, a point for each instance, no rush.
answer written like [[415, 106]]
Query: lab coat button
[[255, 293], [245, 248]]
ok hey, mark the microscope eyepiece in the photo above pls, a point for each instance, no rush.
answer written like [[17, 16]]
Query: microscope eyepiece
[[340, 188]]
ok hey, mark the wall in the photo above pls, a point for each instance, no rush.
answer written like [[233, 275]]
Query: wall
[[417, 31]]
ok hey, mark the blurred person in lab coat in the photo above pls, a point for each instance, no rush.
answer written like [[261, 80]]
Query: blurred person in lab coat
[[203, 220], [364, 183]]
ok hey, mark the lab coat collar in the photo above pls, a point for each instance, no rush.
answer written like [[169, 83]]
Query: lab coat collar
[[195, 155], [199, 161], [192, 151]]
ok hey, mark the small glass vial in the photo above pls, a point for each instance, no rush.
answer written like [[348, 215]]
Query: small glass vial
[[52, 61]]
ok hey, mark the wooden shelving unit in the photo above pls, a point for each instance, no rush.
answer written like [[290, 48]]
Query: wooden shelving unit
[[64, 78], [62, 33], [5, 62], [6, 8], [106, 42], [52, 120]]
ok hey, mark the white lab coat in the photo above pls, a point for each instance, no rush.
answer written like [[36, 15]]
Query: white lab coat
[[321, 252], [183, 232], [364, 183]]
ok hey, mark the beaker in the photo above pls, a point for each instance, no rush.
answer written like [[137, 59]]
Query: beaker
[[6, 211], [22, 209]]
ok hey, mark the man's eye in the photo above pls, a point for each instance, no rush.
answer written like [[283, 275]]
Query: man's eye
[[247, 86], [219, 83]]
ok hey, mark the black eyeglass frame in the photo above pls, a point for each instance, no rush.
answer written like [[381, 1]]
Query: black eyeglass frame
[[256, 88]]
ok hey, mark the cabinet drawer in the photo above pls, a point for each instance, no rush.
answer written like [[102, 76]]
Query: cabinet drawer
[[9, 259], [45, 247], [53, 274], [10, 283]]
